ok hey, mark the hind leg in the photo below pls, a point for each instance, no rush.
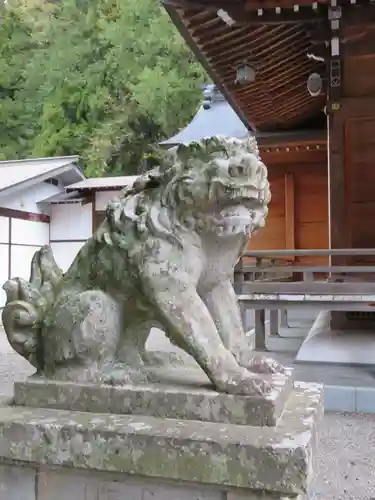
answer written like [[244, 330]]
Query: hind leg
[[81, 335], [129, 366]]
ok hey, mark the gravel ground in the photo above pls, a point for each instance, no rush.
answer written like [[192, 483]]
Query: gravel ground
[[346, 457], [12, 367]]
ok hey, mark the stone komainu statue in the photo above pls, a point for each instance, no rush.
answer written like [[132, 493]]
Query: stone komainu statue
[[164, 256]]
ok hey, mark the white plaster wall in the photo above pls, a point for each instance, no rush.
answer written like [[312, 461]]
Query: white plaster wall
[[104, 197], [71, 221], [4, 229], [65, 253], [27, 232], [20, 260], [4, 263], [26, 238], [27, 199]]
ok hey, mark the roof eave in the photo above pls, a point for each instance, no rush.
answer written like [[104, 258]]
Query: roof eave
[[97, 188], [69, 159], [40, 178], [177, 21]]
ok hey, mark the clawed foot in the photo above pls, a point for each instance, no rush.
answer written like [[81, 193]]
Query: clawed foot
[[245, 383], [120, 374], [259, 364], [265, 365]]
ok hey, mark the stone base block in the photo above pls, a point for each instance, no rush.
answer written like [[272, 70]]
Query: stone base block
[[183, 401], [133, 457], [21, 483]]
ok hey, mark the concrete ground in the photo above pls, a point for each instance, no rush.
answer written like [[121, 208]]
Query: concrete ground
[[345, 462]]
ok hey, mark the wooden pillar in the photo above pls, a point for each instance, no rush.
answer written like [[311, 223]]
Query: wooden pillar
[[274, 322], [336, 145], [337, 184], [260, 330], [289, 212], [336, 149], [284, 318]]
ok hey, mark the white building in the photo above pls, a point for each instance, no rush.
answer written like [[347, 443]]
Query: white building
[[48, 201]]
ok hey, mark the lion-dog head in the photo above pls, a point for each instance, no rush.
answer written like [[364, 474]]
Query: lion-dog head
[[218, 184]]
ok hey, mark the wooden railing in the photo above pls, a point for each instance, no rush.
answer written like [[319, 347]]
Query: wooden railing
[[261, 269], [271, 264], [298, 287]]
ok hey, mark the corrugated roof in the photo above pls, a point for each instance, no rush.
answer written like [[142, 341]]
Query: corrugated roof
[[215, 117], [104, 182], [17, 172]]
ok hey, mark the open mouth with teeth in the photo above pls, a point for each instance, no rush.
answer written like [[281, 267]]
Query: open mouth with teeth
[[239, 218], [249, 196]]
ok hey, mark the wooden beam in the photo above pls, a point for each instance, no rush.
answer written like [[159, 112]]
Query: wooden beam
[[336, 157], [362, 13], [307, 287], [308, 252], [309, 269], [289, 211], [360, 45], [240, 15], [23, 215], [201, 4], [286, 16]]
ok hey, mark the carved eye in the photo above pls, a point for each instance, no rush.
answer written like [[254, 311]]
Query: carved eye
[[236, 170]]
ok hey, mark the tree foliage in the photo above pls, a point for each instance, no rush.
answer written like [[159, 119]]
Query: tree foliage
[[98, 78]]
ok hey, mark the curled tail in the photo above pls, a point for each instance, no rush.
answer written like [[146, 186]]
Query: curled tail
[[26, 303]]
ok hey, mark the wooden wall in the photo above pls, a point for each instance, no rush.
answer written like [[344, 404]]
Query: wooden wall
[[359, 151], [298, 211], [353, 152], [273, 235]]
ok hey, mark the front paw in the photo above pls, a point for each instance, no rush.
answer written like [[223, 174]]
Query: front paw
[[242, 382], [265, 365], [120, 374]]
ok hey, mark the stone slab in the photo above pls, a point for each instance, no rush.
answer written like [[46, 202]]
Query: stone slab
[[260, 496], [346, 347], [17, 483], [62, 484], [44, 483], [270, 459], [183, 401]]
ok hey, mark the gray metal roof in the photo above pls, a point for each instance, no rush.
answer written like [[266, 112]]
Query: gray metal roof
[[21, 173], [63, 197], [215, 117], [104, 182]]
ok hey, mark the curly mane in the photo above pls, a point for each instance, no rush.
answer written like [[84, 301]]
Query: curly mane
[[151, 205]]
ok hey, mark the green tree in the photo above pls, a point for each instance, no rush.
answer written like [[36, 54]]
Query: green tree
[[15, 47], [106, 78]]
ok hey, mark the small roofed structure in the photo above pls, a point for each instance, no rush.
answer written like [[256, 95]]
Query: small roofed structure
[[25, 222], [20, 174], [104, 183], [214, 117]]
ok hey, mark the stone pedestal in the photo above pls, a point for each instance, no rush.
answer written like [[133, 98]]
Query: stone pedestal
[[62, 441]]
